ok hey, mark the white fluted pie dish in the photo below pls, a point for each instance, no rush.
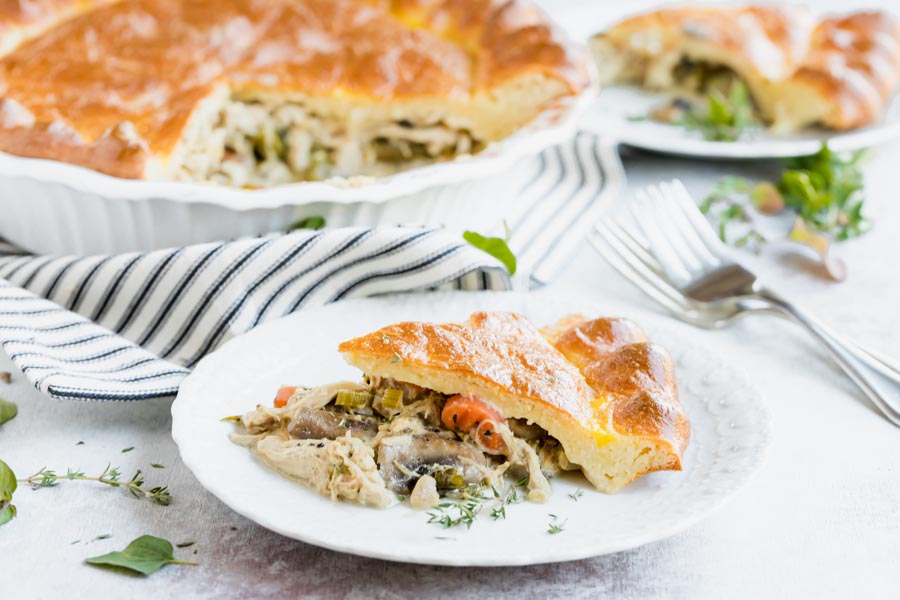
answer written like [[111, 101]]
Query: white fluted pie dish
[[51, 207]]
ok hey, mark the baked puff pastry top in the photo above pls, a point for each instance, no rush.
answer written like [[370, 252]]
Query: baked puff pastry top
[[259, 92], [838, 71], [598, 387]]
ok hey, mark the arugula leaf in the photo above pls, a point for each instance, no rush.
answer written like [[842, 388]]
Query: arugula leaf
[[826, 190], [146, 555], [494, 246], [313, 222], [726, 116], [8, 411], [8, 485]]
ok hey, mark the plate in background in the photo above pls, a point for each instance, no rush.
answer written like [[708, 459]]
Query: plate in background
[[617, 106]]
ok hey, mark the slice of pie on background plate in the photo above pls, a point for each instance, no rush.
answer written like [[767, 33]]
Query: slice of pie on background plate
[[840, 71]]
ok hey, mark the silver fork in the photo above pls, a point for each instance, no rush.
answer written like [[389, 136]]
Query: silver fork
[[685, 267]]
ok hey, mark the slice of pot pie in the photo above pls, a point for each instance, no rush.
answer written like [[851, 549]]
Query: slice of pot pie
[[252, 93], [839, 72], [445, 407]]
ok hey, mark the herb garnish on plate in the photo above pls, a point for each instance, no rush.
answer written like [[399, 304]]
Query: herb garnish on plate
[[723, 117]]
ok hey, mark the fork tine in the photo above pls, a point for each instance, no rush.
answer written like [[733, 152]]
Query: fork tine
[[662, 208], [699, 223], [642, 211], [633, 269], [683, 228], [636, 246]]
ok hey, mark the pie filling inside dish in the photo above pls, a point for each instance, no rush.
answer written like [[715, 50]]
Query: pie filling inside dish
[[256, 93], [839, 72], [443, 408], [261, 143]]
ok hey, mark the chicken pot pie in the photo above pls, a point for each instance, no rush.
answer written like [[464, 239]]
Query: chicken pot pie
[[443, 407], [260, 92], [840, 71]]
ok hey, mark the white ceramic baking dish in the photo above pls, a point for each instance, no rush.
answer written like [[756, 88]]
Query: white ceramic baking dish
[[51, 207]]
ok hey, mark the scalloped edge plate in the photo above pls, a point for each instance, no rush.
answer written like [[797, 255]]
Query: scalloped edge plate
[[731, 433]]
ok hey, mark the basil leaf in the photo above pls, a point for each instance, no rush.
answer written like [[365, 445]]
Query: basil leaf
[[147, 554], [8, 411], [8, 487], [494, 246], [314, 222]]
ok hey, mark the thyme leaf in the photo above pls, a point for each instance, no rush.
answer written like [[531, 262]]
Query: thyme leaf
[[555, 526]]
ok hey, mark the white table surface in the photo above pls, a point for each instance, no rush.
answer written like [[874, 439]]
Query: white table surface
[[822, 519]]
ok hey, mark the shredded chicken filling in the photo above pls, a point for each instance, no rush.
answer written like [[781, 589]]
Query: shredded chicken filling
[[372, 442], [258, 144]]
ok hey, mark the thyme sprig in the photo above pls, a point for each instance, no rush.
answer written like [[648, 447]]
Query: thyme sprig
[[110, 476], [555, 526], [469, 502]]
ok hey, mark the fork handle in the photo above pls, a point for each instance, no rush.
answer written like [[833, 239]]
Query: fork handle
[[879, 380]]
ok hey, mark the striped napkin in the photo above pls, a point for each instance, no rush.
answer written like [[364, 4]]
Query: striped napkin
[[131, 326]]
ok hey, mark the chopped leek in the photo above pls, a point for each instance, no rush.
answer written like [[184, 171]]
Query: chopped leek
[[353, 400], [392, 399]]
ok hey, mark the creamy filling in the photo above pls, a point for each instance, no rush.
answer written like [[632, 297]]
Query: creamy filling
[[369, 443], [258, 144]]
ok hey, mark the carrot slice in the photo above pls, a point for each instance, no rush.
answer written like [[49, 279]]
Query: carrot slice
[[466, 414], [284, 394]]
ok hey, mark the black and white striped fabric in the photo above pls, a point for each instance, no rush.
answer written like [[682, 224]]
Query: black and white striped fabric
[[130, 326]]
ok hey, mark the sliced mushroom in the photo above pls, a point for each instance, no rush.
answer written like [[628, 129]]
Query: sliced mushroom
[[330, 425], [403, 459]]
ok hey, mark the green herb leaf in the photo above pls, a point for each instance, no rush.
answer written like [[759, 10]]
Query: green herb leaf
[[314, 222], [147, 554], [185, 544], [8, 485], [555, 526], [105, 536], [827, 192], [576, 495], [726, 116], [126, 450], [110, 476], [494, 246], [157, 466], [8, 411]]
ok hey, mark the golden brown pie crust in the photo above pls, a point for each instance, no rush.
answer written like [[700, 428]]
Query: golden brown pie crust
[[597, 386], [113, 86]]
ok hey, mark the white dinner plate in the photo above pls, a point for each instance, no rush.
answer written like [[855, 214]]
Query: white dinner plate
[[617, 106], [729, 438]]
